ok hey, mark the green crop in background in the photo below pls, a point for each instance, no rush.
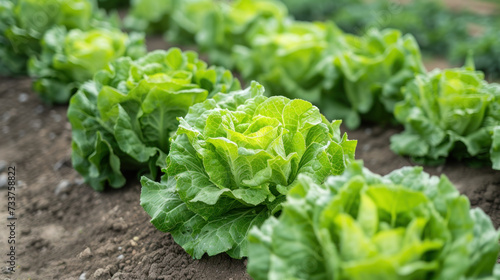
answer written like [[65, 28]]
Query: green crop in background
[[26, 22], [69, 59]]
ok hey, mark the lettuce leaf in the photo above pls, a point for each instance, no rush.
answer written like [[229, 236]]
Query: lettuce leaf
[[232, 161], [123, 119], [69, 58], [451, 112], [406, 225]]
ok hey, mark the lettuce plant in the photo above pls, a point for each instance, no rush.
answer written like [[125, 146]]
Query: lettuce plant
[[374, 67], [149, 15], [179, 20], [449, 112], [295, 61], [28, 20], [405, 225], [237, 23], [485, 49], [123, 119], [11, 63], [69, 58], [231, 164]]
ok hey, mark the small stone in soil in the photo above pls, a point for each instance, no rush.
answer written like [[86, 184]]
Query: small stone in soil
[[120, 257], [39, 109], [3, 180], [85, 254], [119, 226], [6, 116], [79, 181], [101, 273], [3, 165], [83, 276], [62, 187], [23, 97]]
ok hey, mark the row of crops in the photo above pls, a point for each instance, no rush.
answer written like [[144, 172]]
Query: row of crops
[[262, 171]]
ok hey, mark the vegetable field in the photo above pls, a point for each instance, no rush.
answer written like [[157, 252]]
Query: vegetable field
[[211, 139]]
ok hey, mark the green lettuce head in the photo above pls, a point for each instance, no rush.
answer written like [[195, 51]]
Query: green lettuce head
[[374, 68], [362, 226], [11, 63], [449, 112], [29, 20], [294, 61], [237, 23], [231, 164], [149, 15], [123, 119], [180, 20], [70, 58]]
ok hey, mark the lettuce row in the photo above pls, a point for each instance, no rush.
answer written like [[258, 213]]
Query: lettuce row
[[405, 225], [451, 112], [231, 164], [179, 20], [122, 120], [24, 23], [351, 77], [347, 76], [69, 58]]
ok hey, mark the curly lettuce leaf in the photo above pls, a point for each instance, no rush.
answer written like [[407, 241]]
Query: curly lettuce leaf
[[123, 119], [406, 225], [232, 162]]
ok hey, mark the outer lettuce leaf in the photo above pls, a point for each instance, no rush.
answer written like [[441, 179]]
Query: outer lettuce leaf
[[406, 225], [446, 113], [69, 58], [231, 163], [123, 119]]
